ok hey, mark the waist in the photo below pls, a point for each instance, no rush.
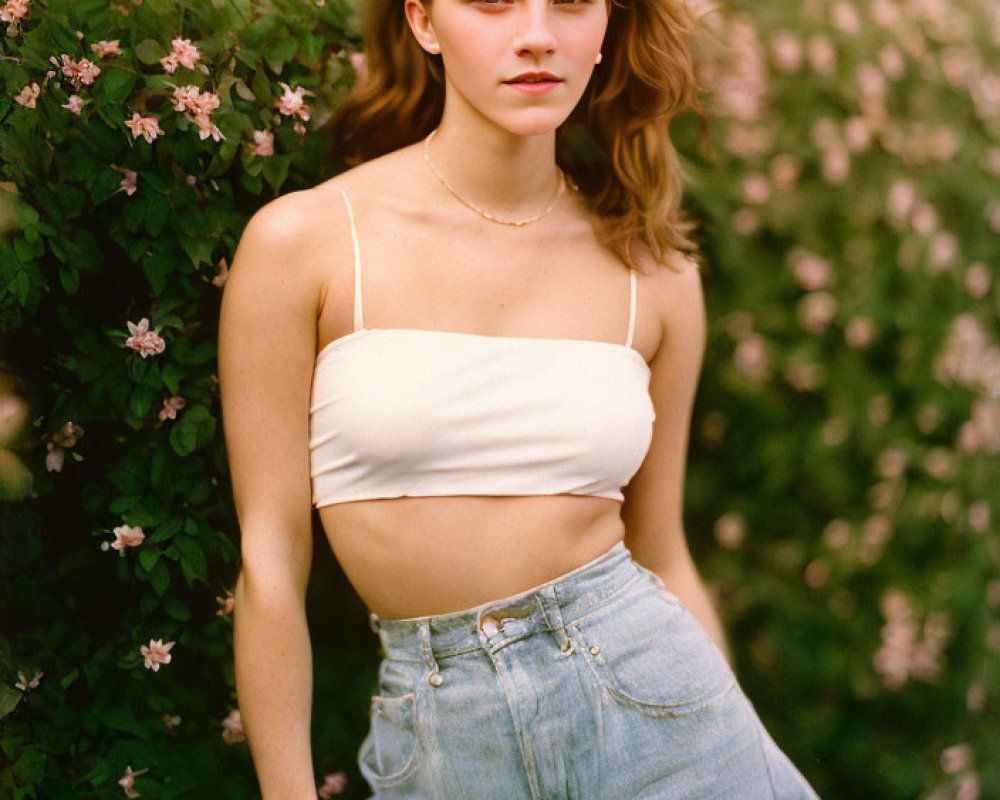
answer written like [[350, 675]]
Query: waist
[[548, 607], [410, 557]]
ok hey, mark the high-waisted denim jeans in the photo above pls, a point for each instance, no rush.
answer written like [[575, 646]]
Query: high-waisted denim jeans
[[598, 685]]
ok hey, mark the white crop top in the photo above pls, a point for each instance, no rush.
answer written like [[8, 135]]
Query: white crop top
[[405, 412]]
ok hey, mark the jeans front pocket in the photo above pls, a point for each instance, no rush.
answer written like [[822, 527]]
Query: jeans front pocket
[[652, 655], [389, 754]]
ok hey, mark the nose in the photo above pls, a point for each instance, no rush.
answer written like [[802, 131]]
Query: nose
[[534, 30]]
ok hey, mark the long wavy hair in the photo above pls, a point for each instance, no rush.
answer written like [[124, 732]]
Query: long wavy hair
[[615, 144]]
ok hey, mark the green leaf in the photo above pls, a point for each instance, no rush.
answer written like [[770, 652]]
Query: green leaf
[[141, 401], [69, 678], [114, 85], [120, 717], [176, 609], [148, 556], [171, 375], [70, 279], [193, 561], [149, 51], [276, 170], [158, 269], [183, 438], [159, 578], [157, 213]]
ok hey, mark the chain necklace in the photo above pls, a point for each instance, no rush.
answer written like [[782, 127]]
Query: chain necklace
[[486, 214]]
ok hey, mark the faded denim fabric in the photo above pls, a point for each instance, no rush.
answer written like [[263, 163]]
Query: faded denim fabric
[[598, 685]]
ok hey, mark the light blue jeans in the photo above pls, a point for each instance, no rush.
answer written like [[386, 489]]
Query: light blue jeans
[[598, 685]]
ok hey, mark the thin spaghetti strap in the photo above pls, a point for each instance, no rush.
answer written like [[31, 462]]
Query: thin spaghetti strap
[[359, 317], [631, 307]]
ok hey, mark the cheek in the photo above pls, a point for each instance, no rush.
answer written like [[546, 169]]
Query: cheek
[[469, 49], [582, 40]]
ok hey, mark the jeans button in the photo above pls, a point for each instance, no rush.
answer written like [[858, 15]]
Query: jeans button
[[490, 627]]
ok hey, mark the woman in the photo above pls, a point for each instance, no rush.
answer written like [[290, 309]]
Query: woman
[[479, 366]]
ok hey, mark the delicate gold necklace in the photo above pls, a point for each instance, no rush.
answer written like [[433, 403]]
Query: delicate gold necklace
[[487, 214]]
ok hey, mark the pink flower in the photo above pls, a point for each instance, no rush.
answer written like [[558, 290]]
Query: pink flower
[[901, 199], [128, 781], [80, 73], [845, 17], [811, 271], [75, 104], [745, 221], [183, 53], [68, 435], [147, 127], [943, 251], [786, 51], [199, 105], [24, 684], [924, 217], [129, 183], [785, 170], [156, 653], [220, 277], [186, 97], [360, 63], [821, 54], [127, 536], [143, 340], [225, 605], [28, 95], [817, 311], [104, 48], [333, 783], [263, 144], [857, 134], [171, 406], [884, 13], [836, 165], [756, 188], [891, 61], [979, 516], [291, 103], [55, 458], [860, 332], [730, 530], [837, 534], [817, 573], [14, 10], [232, 728], [751, 357], [978, 280]]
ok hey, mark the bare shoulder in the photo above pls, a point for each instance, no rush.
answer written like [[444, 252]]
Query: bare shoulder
[[673, 287], [385, 175]]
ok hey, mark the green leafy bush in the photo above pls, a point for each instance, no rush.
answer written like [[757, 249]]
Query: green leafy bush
[[842, 497]]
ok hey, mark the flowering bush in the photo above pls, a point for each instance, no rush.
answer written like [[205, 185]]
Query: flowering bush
[[137, 138], [841, 494]]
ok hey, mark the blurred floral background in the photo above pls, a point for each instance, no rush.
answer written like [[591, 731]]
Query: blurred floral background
[[843, 495]]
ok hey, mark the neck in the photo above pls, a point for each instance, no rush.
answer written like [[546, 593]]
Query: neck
[[506, 174]]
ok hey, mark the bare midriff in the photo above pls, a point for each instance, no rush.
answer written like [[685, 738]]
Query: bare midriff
[[421, 556]]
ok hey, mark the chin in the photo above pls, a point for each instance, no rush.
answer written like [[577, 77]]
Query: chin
[[536, 122]]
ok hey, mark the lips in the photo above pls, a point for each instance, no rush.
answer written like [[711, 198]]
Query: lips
[[535, 77]]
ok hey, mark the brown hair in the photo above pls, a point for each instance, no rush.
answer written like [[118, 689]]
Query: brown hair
[[615, 145]]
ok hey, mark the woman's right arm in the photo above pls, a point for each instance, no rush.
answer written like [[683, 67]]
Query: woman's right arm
[[267, 343]]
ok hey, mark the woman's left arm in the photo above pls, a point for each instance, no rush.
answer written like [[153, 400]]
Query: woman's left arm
[[653, 509]]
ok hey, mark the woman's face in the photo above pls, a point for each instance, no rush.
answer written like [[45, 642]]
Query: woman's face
[[487, 44]]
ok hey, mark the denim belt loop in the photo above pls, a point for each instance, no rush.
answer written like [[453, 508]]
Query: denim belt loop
[[434, 679], [373, 621], [548, 601]]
